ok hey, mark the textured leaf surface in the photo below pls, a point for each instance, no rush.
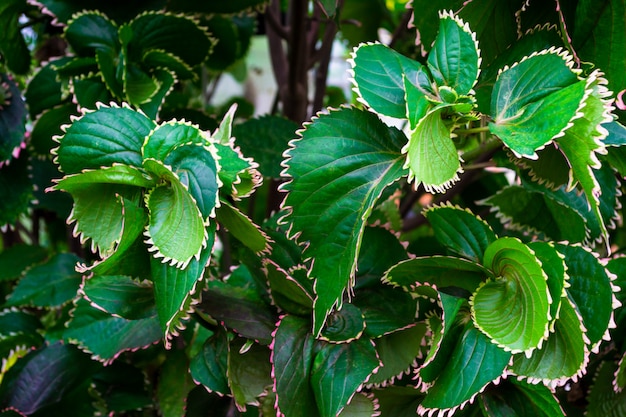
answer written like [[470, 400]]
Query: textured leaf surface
[[339, 168], [338, 371], [120, 296], [454, 59], [101, 138], [519, 399], [431, 156], [48, 285], [397, 352], [287, 293], [92, 31], [460, 231], [603, 400], [475, 362], [385, 309], [378, 72], [344, 325], [106, 336], [529, 111], [292, 362], [242, 228], [514, 308]]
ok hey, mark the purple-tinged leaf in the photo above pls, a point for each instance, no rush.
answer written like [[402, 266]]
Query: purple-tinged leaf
[[249, 372]]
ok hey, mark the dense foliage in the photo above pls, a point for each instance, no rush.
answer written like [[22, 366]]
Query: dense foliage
[[446, 241]]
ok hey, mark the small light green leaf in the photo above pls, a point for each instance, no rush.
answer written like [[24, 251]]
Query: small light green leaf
[[553, 265], [460, 231], [12, 118], [338, 370], [339, 168], [175, 289], [106, 336], [18, 258], [437, 271], [344, 326], [419, 95], [474, 363], [242, 228], [564, 354], [530, 111], [224, 132], [120, 296], [514, 398], [50, 284], [88, 32], [431, 157], [237, 173], [513, 309], [378, 78], [292, 361], [115, 174], [209, 367], [249, 373], [454, 60], [102, 138], [591, 290], [398, 352], [176, 229]]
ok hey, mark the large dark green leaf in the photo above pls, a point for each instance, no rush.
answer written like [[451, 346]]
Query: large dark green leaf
[[89, 32], [120, 296], [292, 362], [102, 138], [50, 373], [12, 119], [378, 78], [460, 231], [44, 90], [512, 398], [398, 352], [50, 284], [106, 336], [385, 309], [339, 168], [209, 367], [12, 45], [474, 363]]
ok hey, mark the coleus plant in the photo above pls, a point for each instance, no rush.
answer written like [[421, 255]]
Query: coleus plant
[[325, 308]]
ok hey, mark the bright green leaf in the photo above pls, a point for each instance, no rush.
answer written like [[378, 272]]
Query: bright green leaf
[[242, 228]]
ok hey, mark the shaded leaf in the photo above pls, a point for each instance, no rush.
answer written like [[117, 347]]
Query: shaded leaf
[[249, 373], [602, 398], [12, 119], [514, 398], [92, 31], [209, 367], [16, 259], [174, 385], [120, 296], [397, 352]]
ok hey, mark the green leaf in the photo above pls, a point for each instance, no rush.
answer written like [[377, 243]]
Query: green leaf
[[431, 157], [360, 405], [45, 91], [287, 293], [385, 309], [12, 119], [460, 231], [177, 34], [175, 289], [513, 309], [98, 212], [139, 86], [18, 321], [292, 362], [16, 189], [166, 82], [379, 73], [102, 138], [50, 284], [89, 32], [553, 265], [161, 59], [338, 370], [106, 336], [436, 271], [235, 35], [563, 355], [551, 168], [397, 353], [534, 101], [242, 228], [591, 290], [176, 231], [264, 139], [249, 373], [90, 91], [49, 374], [237, 173], [398, 401], [620, 375], [474, 363], [515, 398], [12, 44], [174, 385], [209, 367], [110, 63], [523, 208], [359, 156], [47, 126], [380, 250], [115, 174], [583, 141], [120, 296], [454, 60], [419, 94], [603, 400], [16, 259], [122, 387], [344, 326]]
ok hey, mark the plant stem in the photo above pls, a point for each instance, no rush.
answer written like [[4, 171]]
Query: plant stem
[[472, 131]]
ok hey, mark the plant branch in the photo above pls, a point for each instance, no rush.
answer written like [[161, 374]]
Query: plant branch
[[275, 35]]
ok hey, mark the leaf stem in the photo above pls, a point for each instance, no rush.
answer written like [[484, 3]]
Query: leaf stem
[[472, 131]]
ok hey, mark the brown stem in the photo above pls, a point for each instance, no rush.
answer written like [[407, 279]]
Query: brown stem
[[275, 34], [294, 93]]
